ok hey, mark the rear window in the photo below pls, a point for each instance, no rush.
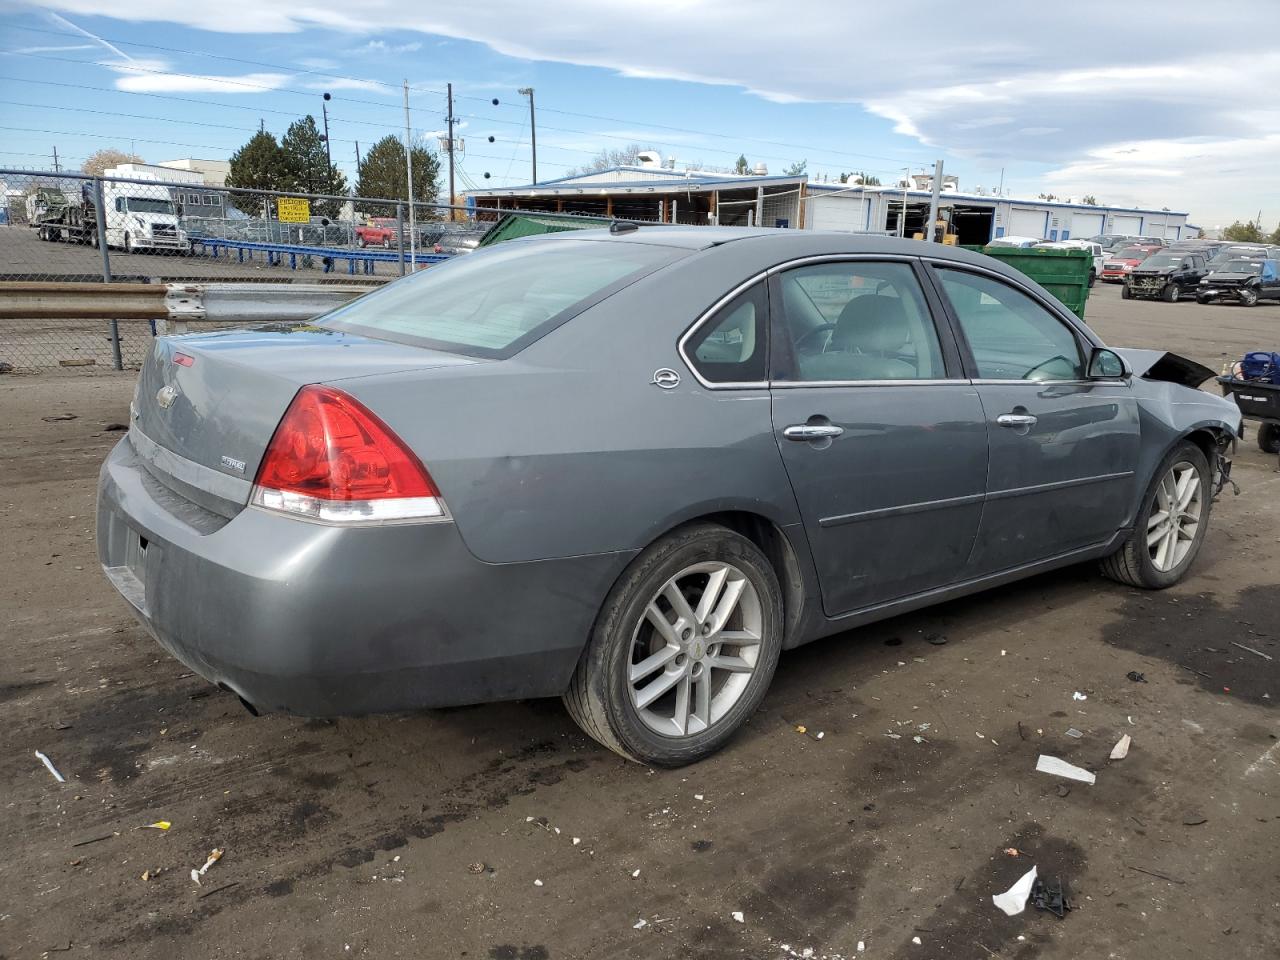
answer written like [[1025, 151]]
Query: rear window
[[496, 302]]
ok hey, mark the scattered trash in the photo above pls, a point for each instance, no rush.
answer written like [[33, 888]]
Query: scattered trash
[[85, 843], [1136, 677], [537, 883], [936, 639], [801, 728], [158, 825], [1265, 656], [1121, 749], [697, 796], [916, 941], [635, 873], [1053, 899], [1158, 876], [57, 417], [476, 867], [1073, 732], [979, 735], [50, 767], [819, 735], [640, 924], [1014, 900], [1194, 821], [918, 739], [861, 946], [576, 841], [894, 736], [737, 915], [212, 890], [1011, 851], [1078, 696], [214, 856], [146, 875], [1004, 653], [1060, 768]]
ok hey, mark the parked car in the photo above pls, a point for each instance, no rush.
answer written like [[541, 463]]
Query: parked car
[[1246, 281], [1111, 242], [1165, 276], [1118, 265], [488, 481], [378, 232], [1094, 250], [1233, 251]]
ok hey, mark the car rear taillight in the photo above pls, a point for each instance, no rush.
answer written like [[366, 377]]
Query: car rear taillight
[[331, 459]]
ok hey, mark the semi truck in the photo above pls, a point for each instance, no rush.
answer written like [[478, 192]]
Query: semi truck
[[138, 218]]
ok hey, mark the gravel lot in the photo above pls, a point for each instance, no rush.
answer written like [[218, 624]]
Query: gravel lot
[[501, 832]]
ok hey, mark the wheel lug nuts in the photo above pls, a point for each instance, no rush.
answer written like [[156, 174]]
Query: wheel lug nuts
[[686, 634]]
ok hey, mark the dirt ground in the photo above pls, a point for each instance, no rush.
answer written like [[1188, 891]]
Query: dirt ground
[[501, 833]]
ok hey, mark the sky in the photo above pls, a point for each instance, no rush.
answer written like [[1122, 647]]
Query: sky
[[1145, 104]]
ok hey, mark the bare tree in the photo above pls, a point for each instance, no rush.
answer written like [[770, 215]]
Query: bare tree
[[627, 156], [106, 158]]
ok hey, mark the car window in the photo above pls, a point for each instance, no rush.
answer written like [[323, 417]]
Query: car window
[[857, 321], [731, 346], [498, 301], [1010, 335]]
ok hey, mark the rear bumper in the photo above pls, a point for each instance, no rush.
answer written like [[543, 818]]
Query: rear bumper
[[325, 621]]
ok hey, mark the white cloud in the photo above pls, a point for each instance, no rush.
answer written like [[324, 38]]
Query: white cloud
[[351, 83], [1006, 83], [382, 48], [74, 46], [156, 76]]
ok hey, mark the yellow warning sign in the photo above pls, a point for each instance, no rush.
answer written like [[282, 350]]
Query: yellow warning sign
[[293, 210]]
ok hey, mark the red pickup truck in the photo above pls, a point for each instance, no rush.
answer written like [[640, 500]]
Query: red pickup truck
[[378, 232]]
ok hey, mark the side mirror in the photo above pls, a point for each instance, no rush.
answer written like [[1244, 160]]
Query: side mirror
[[1106, 364]]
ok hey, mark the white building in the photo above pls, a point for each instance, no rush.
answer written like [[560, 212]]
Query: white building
[[214, 173], [189, 189]]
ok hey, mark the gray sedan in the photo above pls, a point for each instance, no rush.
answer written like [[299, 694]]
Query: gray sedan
[[630, 467]]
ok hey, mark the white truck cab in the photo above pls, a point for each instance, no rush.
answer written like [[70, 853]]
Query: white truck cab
[[140, 218]]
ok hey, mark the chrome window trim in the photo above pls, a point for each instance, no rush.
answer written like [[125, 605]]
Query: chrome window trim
[[839, 258], [705, 317], [796, 384]]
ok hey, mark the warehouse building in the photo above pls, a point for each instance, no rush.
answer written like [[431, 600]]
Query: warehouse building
[[651, 191]]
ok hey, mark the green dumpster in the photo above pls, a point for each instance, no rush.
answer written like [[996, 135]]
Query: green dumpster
[[1064, 273], [514, 225]]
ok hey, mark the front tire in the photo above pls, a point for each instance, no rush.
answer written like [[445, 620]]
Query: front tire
[[683, 650], [1170, 293], [1248, 298], [1171, 525], [1125, 294], [1269, 437]]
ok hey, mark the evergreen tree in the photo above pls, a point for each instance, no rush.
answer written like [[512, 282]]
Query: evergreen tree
[[741, 166], [383, 175], [797, 168], [258, 165], [306, 165]]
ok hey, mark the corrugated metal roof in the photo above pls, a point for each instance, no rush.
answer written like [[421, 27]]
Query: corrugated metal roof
[[640, 177], [818, 189]]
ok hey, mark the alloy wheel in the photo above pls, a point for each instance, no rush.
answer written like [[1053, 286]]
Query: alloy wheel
[[1174, 522], [695, 648]]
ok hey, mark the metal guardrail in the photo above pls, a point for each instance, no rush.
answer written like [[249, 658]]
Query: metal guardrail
[[175, 302]]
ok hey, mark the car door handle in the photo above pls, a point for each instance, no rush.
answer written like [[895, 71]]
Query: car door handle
[[812, 431], [1016, 420]]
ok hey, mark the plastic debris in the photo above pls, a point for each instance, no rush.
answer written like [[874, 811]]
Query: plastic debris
[[1073, 732], [640, 924], [861, 946], [918, 739], [916, 941], [1136, 677], [697, 796], [801, 728], [537, 883], [819, 735], [50, 767], [635, 873], [737, 915], [1078, 696], [158, 825], [1060, 768], [1014, 900], [1121, 749], [1011, 851], [1053, 899], [214, 856], [1265, 656], [576, 841]]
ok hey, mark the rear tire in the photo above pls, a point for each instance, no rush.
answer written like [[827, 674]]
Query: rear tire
[[386, 243], [1269, 437], [1164, 542], [711, 661], [1093, 277]]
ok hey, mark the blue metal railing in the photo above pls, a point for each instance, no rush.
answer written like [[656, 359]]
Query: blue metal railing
[[328, 256]]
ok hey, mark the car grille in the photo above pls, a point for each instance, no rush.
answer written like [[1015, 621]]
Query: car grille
[[165, 231], [1147, 284]]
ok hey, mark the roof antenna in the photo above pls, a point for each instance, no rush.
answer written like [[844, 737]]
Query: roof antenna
[[622, 226]]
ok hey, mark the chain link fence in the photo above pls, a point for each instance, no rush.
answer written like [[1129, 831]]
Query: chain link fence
[[71, 228]]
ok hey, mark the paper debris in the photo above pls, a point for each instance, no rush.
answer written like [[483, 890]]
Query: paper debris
[[861, 946], [635, 873], [158, 825], [1060, 768], [537, 883], [1078, 696], [737, 915], [1121, 749], [1073, 732], [820, 735], [916, 941], [1014, 900], [697, 796], [640, 924], [51, 768], [576, 841], [214, 856]]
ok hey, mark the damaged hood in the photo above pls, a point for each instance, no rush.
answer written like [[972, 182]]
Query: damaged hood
[[1169, 367]]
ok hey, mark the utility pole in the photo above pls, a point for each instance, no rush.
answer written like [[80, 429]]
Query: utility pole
[[533, 129], [328, 153], [933, 200], [56, 167], [408, 156], [902, 219], [357, 159], [449, 120]]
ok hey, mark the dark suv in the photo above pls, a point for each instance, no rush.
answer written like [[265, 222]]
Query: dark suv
[[1244, 280], [1166, 276]]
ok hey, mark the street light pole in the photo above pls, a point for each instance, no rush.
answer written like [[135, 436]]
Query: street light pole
[[533, 129], [328, 152]]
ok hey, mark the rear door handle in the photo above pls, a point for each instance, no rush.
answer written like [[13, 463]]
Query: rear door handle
[[1016, 420], [812, 431]]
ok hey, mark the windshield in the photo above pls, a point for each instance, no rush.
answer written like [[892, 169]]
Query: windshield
[[496, 302], [1130, 253], [1239, 266], [149, 205], [1161, 260]]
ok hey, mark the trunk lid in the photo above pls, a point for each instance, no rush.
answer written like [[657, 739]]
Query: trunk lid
[[202, 424]]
